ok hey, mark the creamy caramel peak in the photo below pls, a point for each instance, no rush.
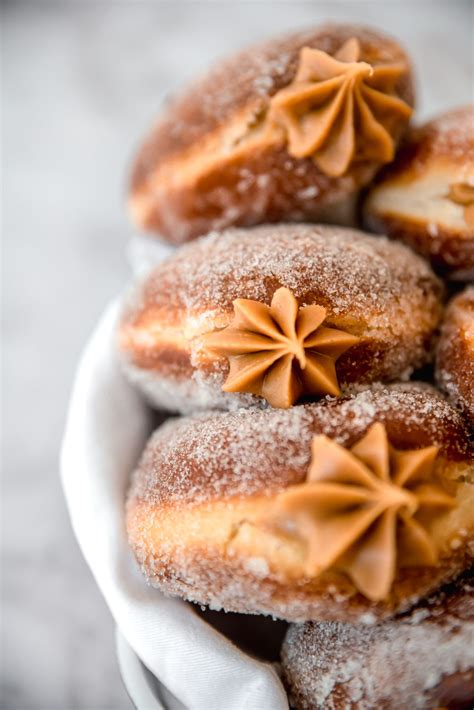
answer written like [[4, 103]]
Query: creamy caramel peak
[[462, 193], [339, 110], [281, 351], [364, 510]]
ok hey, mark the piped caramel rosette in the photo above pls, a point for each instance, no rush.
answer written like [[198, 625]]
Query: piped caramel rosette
[[288, 130], [365, 510], [349, 509], [275, 315], [280, 352], [339, 110]]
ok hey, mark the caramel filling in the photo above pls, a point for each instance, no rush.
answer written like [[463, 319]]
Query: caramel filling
[[462, 193], [339, 110], [364, 511], [281, 351]]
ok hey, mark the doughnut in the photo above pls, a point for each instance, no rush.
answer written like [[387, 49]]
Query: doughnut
[[455, 354], [426, 196], [288, 130], [276, 313], [226, 508], [422, 660]]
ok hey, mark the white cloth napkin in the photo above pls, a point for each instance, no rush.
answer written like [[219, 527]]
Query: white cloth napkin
[[107, 426]]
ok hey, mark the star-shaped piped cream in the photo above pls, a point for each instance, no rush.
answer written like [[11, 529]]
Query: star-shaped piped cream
[[281, 351], [339, 109], [462, 193], [363, 510]]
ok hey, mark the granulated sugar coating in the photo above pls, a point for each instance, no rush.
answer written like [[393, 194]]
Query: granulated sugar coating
[[374, 289], [448, 137], [214, 456], [450, 134], [203, 482], [397, 664], [254, 74], [455, 354], [418, 198], [348, 271], [219, 156]]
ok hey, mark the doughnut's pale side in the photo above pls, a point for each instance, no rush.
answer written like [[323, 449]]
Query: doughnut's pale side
[[410, 199], [203, 481], [372, 288], [211, 162]]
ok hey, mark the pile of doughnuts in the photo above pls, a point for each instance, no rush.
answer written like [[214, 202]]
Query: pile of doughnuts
[[320, 468]]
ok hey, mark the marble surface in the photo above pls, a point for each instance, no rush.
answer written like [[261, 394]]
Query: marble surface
[[82, 80]]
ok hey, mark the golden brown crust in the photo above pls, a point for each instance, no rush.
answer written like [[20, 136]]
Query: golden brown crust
[[455, 355], [449, 251], [202, 482], [411, 198], [207, 164], [422, 660], [262, 186], [371, 288], [449, 135]]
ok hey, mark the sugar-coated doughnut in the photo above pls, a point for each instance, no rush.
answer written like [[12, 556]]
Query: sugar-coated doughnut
[[286, 130], [455, 354], [227, 509], [373, 306], [422, 660], [426, 196]]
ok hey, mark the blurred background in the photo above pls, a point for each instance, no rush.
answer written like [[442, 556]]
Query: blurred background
[[81, 83]]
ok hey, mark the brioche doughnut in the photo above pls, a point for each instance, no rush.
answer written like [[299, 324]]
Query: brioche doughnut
[[426, 196], [455, 355], [209, 519], [383, 300], [422, 660], [271, 134]]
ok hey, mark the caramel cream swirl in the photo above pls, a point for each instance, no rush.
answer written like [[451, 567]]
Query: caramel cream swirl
[[339, 109], [282, 351], [364, 510]]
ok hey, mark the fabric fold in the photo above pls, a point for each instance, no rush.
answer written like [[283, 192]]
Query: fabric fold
[[107, 426]]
